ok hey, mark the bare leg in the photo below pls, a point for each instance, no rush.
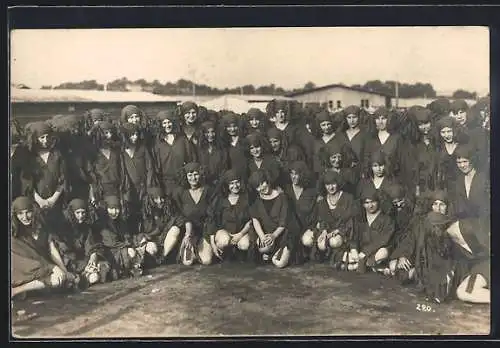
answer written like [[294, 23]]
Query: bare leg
[[283, 260], [33, 285], [170, 240], [479, 294]]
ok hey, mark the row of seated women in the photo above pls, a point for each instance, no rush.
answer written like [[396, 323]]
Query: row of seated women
[[425, 241]]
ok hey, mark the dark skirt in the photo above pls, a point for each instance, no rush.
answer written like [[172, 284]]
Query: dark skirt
[[28, 265]]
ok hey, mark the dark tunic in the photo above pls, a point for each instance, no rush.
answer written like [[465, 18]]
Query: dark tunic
[[155, 228], [427, 167], [50, 176], [195, 213], [229, 217], [31, 258], [341, 218], [276, 213], [385, 200], [238, 157], [339, 141], [116, 239], [269, 164], [369, 239], [304, 207], [294, 134], [215, 163], [401, 161], [107, 179], [477, 205], [21, 176], [448, 171], [169, 160], [358, 144], [75, 244]]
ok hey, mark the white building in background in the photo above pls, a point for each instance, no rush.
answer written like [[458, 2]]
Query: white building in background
[[338, 96]]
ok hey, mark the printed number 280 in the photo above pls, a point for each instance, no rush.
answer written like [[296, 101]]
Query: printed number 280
[[423, 308]]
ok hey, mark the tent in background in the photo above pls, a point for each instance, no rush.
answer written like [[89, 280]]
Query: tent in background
[[228, 103]]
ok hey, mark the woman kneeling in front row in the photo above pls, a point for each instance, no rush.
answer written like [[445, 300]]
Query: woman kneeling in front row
[[273, 222]]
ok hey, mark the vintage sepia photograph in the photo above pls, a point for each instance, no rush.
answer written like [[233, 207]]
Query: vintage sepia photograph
[[211, 182]]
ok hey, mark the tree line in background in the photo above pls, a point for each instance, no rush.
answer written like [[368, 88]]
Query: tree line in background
[[187, 87]]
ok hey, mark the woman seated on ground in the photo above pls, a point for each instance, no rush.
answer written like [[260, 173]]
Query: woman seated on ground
[[275, 225], [373, 230], [160, 226], [335, 220], [36, 263], [402, 258], [302, 195], [193, 200], [81, 252], [472, 252], [118, 241], [230, 222]]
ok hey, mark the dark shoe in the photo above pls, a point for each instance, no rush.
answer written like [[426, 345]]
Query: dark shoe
[[362, 266]]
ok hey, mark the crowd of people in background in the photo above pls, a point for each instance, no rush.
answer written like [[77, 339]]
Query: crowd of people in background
[[96, 198]]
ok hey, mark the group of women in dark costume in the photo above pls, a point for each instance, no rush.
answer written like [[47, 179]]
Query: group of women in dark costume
[[404, 193]]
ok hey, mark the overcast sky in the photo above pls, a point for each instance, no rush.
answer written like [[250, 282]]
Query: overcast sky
[[448, 57]]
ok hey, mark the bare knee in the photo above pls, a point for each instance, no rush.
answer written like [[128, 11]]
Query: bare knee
[[322, 244], [205, 253], [222, 239], [283, 260], [308, 238], [172, 235], [244, 243], [381, 254], [335, 242], [151, 248]]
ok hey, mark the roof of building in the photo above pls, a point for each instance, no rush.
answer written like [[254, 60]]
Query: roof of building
[[338, 85]]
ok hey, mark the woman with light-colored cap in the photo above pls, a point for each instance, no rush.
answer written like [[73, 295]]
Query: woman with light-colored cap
[[80, 251], [36, 263], [171, 151], [132, 114], [161, 225], [194, 199]]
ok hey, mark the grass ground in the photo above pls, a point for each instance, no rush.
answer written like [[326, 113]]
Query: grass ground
[[236, 299]]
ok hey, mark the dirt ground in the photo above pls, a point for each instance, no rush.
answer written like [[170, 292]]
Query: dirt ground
[[239, 299]]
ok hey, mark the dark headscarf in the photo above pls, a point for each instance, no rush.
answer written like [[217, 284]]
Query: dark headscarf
[[22, 203]]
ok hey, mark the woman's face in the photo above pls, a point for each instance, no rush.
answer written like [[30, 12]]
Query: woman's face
[[134, 137], [439, 207], [190, 116], [159, 201], [381, 122], [25, 217], [232, 129], [352, 120], [96, 121], [254, 122], [447, 134], [43, 140], [134, 119], [398, 203], [209, 135], [464, 165], [460, 116], [193, 178], [113, 212], [167, 125], [255, 151], [275, 144], [336, 160], [234, 186], [263, 188], [294, 177], [424, 128], [378, 169], [80, 215], [326, 127], [331, 188], [371, 206], [108, 134], [280, 116]]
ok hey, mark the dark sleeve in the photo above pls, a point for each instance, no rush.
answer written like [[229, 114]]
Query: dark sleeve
[[93, 246], [283, 214], [407, 243], [152, 179], [306, 144], [386, 231], [62, 176]]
